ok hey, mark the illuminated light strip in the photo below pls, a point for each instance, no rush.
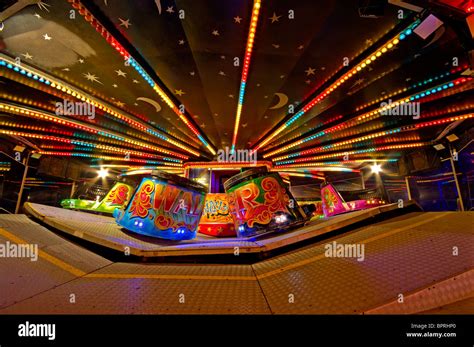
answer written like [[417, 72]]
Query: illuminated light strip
[[442, 121], [379, 134], [346, 142], [362, 144], [342, 143], [345, 162], [329, 121], [169, 169], [341, 162], [245, 69], [82, 126], [373, 114], [359, 67], [313, 173], [104, 157], [58, 93], [298, 174], [227, 165], [414, 97], [79, 142], [415, 85], [88, 147], [127, 57], [105, 124], [91, 146], [341, 154], [76, 93], [37, 128]]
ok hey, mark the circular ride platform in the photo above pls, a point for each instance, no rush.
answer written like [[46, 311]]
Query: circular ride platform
[[105, 232]]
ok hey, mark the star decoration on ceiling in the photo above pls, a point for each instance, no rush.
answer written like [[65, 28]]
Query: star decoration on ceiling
[[274, 18], [66, 69], [121, 73], [47, 37], [308, 81], [181, 42], [27, 55], [114, 85], [282, 76], [222, 57], [237, 19], [300, 47], [81, 61], [119, 103], [203, 125], [192, 73], [275, 45], [222, 73], [215, 32], [369, 42], [42, 5], [37, 15], [231, 96], [136, 81], [179, 92], [244, 125], [125, 23], [92, 78], [170, 9], [310, 71]]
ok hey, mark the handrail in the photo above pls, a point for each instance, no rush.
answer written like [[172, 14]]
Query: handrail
[[2, 209]]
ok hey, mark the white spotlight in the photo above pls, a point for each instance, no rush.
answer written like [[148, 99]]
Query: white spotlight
[[376, 168], [103, 173]]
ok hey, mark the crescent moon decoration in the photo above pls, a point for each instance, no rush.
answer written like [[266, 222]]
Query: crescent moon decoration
[[2, 26], [282, 101], [440, 32], [151, 102], [158, 4]]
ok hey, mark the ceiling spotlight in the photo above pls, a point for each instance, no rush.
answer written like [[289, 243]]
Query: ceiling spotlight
[[103, 173], [439, 147], [452, 138], [376, 168]]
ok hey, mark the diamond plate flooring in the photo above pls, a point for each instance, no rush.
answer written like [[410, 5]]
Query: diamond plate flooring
[[406, 255]]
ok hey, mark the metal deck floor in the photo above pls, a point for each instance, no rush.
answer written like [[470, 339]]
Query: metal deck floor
[[410, 254]]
